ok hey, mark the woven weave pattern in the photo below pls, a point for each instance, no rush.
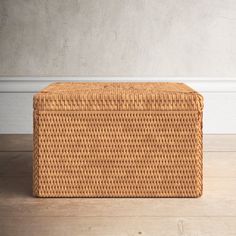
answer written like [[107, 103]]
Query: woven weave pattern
[[83, 150]]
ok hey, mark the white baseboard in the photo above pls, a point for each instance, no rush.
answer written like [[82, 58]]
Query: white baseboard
[[16, 100]]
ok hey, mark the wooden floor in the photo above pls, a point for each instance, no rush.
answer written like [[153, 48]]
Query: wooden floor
[[213, 214]]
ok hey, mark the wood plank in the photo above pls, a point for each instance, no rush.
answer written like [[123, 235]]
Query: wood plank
[[221, 143], [215, 164], [219, 164], [16, 142], [218, 200], [23, 142], [16, 164], [116, 226]]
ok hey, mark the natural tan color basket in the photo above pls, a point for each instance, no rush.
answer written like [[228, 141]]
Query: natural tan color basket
[[117, 140]]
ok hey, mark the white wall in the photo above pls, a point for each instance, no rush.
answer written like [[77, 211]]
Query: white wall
[[118, 37], [16, 100]]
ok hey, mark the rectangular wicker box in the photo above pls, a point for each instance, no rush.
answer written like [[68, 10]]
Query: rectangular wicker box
[[117, 140]]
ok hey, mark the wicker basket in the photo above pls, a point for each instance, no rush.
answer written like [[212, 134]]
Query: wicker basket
[[117, 140]]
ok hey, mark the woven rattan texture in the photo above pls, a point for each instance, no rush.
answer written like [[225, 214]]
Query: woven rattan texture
[[117, 153], [118, 96]]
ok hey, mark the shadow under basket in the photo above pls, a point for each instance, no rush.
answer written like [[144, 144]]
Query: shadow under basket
[[117, 140]]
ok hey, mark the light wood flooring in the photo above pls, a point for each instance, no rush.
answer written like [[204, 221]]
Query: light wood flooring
[[214, 214]]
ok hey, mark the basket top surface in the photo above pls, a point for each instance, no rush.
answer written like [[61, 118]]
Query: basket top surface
[[104, 87], [118, 96]]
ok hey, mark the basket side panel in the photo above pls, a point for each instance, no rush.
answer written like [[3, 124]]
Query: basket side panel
[[118, 154], [35, 153]]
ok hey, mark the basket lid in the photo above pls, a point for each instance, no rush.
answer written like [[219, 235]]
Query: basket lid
[[102, 96]]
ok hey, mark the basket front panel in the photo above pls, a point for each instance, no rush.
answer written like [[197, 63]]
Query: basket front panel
[[118, 154]]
